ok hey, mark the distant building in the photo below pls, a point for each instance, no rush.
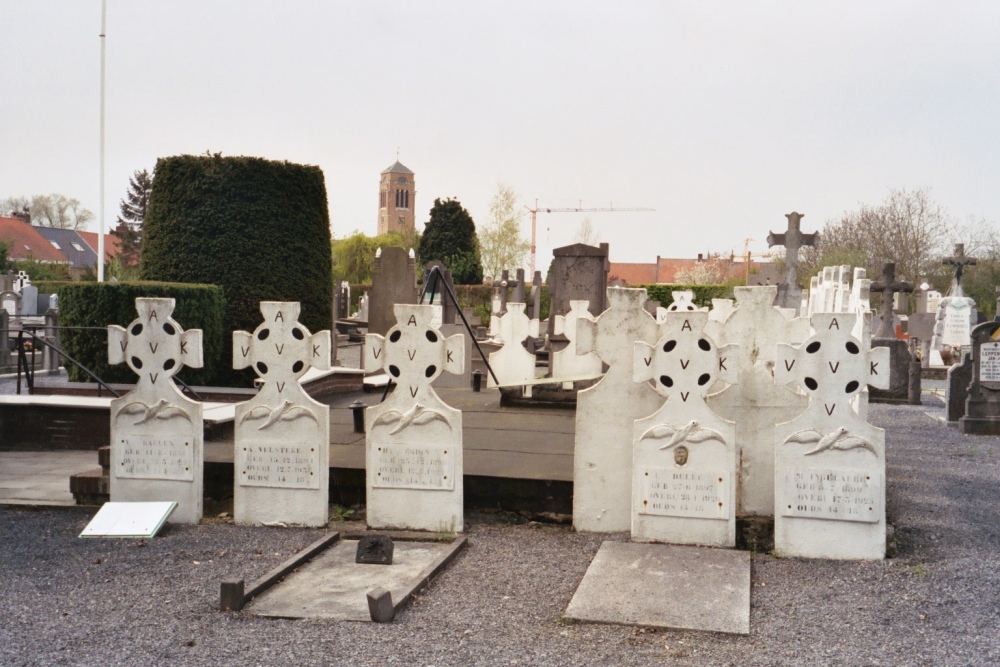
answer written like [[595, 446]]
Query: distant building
[[24, 242], [397, 199], [69, 242], [665, 270]]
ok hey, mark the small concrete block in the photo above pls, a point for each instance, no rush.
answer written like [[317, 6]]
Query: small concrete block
[[380, 605], [375, 550], [231, 595], [659, 585]]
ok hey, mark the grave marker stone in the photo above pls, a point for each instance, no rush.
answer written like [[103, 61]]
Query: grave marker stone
[[789, 292], [684, 455], [579, 272], [29, 301], [282, 436], [899, 356], [982, 405], [956, 315], [606, 413], [438, 284], [829, 463], [512, 363], [414, 440], [570, 361], [157, 432], [394, 281]]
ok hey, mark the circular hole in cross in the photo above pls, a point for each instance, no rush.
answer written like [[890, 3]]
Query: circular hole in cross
[[812, 384]]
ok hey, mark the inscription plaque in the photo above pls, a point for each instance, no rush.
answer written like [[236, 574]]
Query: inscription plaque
[[989, 362], [284, 466], [840, 495], [399, 466], [701, 494], [956, 326], [155, 457]]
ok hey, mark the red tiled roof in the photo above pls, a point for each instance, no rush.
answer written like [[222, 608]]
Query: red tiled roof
[[665, 270], [633, 274], [112, 244], [25, 242]]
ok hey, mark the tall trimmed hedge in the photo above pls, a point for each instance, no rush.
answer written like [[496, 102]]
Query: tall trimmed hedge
[[257, 228], [99, 304]]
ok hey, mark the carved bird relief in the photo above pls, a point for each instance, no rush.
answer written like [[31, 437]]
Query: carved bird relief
[[285, 412], [417, 415], [691, 432], [159, 410], [839, 439]]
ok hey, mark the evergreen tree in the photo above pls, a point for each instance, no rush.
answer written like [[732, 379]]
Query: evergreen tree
[[450, 236], [133, 214]]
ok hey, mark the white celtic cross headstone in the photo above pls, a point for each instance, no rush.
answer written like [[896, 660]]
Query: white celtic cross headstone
[[512, 363], [282, 436], [684, 455], [156, 432], [606, 413], [829, 463], [414, 440], [569, 361]]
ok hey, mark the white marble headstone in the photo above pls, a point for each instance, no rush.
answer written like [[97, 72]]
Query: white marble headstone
[[156, 432], [956, 316], [282, 436], [512, 363], [414, 439], [569, 361]]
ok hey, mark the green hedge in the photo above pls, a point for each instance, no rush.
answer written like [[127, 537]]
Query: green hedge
[[52, 286], [257, 228], [703, 294], [85, 304]]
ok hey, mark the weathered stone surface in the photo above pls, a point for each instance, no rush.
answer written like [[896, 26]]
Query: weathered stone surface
[[380, 605], [281, 435], [569, 361], [789, 293], [579, 272], [512, 363], [436, 290], [414, 439], [959, 379], [375, 550], [982, 406], [394, 281], [606, 413], [899, 373], [156, 432]]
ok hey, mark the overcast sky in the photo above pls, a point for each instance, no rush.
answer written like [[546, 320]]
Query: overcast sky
[[722, 116]]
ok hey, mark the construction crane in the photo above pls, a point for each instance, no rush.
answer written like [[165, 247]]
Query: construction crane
[[579, 209]]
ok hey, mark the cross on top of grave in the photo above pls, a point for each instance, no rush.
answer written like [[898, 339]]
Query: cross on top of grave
[[280, 350], [888, 286], [792, 239], [414, 353], [959, 260], [154, 345]]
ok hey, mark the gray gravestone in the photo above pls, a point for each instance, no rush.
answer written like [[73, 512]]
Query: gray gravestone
[[436, 289], [394, 281], [29, 300], [519, 287], [889, 287], [982, 407], [535, 305], [959, 378], [579, 272], [789, 292]]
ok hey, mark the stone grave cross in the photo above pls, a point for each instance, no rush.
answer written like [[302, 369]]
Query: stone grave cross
[[789, 292], [512, 363], [888, 286], [829, 462], [959, 260], [281, 435], [156, 432]]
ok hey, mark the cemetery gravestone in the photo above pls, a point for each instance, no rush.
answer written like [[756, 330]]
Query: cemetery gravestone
[[10, 302], [606, 412], [885, 336], [157, 432], [684, 455], [829, 463], [789, 292], [436, 287], [512, 363], [579, 272], [29, 301], [394, 281], [282, 436], [982, 405], [956, 313], [570, 361], [414, 440]]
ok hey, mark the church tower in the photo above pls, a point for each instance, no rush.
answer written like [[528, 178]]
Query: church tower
[[396, 201]]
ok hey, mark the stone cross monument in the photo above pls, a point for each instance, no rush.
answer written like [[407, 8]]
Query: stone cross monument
[[959, 260], [888, 286], [789, 292]]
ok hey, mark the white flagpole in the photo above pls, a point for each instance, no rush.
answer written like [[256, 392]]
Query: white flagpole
[[100, 233]]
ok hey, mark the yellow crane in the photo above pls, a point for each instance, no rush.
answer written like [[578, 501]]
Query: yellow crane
[[579, 209]]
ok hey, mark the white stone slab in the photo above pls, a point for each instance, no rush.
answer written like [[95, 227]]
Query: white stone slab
[[956, 316], [512, 363], [989, 362], [658, 585], [281, 435], [570, 361], [606, 412], [142, 520], [414, 439], [688, 449], [157, 432]]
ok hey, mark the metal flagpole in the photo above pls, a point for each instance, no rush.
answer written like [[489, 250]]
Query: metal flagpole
[[100, 233]]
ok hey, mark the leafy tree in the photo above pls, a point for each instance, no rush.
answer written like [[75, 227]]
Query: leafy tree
[[354, 256], [4, 254], [501, 244], [450, 237], [132, 215]]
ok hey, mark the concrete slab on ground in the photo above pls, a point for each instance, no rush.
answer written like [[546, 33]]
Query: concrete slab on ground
[[667, 586], [40, 478], [333, 586]]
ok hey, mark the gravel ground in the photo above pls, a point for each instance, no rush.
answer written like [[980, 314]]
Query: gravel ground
[[67, 601]]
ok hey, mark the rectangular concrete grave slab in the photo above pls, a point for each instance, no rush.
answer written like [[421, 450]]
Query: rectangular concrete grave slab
[[665, 586], [414, 439], [281, 435], [333, 586], [157, 433], [138, 520], [606, 413]]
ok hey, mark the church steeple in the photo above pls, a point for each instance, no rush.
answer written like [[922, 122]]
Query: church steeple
[[397, 201]]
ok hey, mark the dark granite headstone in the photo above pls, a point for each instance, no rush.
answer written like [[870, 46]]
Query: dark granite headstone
[[518, 296], [394, 280], [533, 309], [375, 550], [579, 272], [899, 373], [959, 378], [982, 406]]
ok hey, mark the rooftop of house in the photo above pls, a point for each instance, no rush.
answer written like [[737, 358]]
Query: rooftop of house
[[25, 242], [71, 244]]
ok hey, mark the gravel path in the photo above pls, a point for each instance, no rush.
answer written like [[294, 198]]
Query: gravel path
[[67, 601]]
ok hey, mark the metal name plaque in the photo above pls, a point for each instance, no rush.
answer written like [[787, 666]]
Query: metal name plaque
[[154, 457], [989, 362], [840, 495], [399, 466], [700, 494], [283, 466]]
